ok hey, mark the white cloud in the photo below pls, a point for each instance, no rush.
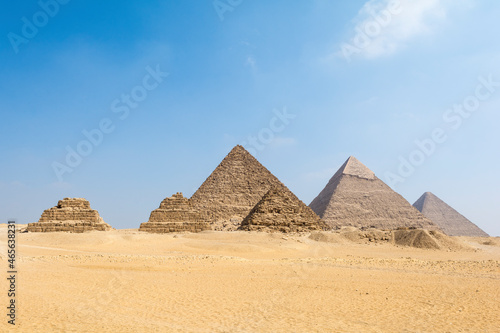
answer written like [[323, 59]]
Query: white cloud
[[382, 27], [251, 61]]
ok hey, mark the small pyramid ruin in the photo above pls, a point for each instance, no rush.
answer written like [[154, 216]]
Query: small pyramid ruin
[[354, 196], [72, 215], [445, 217], [233, 189], [280, 210], [175, 214]]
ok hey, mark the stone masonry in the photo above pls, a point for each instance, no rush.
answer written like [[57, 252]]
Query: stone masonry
[[354, 196], [233, 189], [71, 215], [280, 210], [175, 214]]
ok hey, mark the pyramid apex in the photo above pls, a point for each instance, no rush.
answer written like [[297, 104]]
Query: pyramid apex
[[239, 149], [354, 167]]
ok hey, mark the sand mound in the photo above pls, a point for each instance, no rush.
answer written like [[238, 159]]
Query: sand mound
[[493, 241], [415, 238], [352, 235], [327, 237], [425, 239], [370, 235]]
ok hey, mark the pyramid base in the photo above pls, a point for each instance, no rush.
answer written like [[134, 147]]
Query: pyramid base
[[271, 225], [68, 226], [168, 227]]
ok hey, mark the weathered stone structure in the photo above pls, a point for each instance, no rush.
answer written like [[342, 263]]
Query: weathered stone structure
[[280, 210], [233, 189], [354, 196], [175, 214], [448, 219], [72, 215]]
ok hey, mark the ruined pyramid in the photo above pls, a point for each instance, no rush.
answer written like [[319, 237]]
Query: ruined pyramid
[[446, 218], [70, 214], [233, 189], [354, 196], [280, 210], [175, 214]]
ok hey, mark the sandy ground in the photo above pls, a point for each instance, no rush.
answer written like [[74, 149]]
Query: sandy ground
[[126, 281]]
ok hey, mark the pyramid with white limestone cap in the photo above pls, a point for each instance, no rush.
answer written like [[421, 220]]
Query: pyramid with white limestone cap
[[448, 219], [354, 196]]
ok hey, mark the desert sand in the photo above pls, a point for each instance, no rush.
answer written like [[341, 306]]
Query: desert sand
[[131, 281]]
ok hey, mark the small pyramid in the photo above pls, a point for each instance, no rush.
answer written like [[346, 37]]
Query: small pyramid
[[448, 219], [233, 189], [175, 214], [280, 210], [354, 196], [72, 215]]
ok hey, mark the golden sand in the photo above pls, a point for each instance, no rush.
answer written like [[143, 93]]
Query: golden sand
[[129, 281]]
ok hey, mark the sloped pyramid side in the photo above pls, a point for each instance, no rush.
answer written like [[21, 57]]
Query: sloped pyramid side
[[354, 196], [280, 210], [72, 215], [448, 219], [233, 188]]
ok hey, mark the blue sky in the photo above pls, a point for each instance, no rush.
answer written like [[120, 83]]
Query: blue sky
[[232, 67]]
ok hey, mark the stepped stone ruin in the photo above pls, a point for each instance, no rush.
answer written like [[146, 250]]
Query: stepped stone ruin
[[233, 189], [448, 219], [175, 214], [354, 196], [70, 214], [280, 210]]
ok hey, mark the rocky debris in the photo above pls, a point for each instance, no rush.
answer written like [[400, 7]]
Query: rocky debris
[[407, 237], [280, 210], [445, 217], [354, 196], [71, 215], [233, 189], [175, 214]]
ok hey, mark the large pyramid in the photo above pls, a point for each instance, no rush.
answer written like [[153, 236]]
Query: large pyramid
[[70, 214], [445, 217], [354, 196], [281, 210], [233, 189], [175, 214]]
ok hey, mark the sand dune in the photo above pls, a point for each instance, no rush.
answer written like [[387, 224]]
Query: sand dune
[[126, 281]]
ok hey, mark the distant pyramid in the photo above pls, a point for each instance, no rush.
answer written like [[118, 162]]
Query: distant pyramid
[[445, 217], [281, 210], [175, 214], [354, 196], [233, 189], [72, 215]]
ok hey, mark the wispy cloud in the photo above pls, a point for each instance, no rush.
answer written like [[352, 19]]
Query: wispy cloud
[[382, 27], [251, 61]]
